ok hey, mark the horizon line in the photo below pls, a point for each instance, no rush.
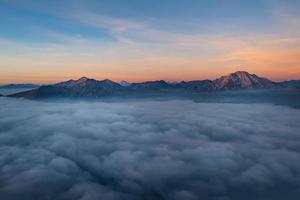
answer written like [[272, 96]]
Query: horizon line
[[146, 80]]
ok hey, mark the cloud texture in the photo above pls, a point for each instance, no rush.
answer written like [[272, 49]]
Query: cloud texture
[[148, 150]]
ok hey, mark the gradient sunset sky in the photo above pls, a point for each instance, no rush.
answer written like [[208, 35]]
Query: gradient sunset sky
[[135, 40]]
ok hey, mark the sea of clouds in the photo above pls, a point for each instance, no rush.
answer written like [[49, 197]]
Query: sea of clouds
[[148, 150]]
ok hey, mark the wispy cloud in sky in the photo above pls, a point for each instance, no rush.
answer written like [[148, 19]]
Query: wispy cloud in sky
[[93, 39]]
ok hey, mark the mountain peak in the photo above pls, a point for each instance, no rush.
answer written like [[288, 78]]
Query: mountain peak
[[241, 72], [108, 82], [241, 80], [243, 75], [83, 79], [124, 83]]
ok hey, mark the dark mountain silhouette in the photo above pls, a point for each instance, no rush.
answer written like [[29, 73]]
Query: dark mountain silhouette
[[198, 85], [17, 86], [150, 85], [91, 88], [82, 87], [290, 84]]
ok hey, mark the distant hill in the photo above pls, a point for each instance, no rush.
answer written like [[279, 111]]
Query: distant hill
[[290, 84], [91, 88], [150, 85], [197, 85], [17, 86]]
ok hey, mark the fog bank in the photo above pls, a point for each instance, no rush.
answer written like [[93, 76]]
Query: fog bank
[[148, 150]]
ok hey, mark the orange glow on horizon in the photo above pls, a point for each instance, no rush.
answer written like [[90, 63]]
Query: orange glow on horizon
[[277, 63]]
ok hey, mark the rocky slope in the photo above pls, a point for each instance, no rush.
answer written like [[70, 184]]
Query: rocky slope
[[242, 80]]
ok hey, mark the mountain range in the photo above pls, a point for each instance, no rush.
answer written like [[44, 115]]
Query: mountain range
[[91, 88]]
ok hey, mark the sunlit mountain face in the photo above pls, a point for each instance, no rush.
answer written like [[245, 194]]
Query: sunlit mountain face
[[149, 100]]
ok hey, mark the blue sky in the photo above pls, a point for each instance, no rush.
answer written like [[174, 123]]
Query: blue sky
[[123, 39], [28, 20]]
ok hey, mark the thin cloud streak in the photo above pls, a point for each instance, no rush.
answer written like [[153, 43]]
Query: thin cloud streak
[[142, 51]]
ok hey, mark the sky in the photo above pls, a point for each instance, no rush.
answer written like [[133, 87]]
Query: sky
[[137, 40]]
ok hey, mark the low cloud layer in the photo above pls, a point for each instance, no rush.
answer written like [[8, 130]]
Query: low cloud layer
[[148, 150]]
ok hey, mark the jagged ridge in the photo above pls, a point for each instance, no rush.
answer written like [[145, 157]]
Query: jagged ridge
[[85, 87]]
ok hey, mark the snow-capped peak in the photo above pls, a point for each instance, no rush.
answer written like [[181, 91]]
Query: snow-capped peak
[[125, 83]]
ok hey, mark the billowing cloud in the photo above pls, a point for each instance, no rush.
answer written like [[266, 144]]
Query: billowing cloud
[[148, 150]]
